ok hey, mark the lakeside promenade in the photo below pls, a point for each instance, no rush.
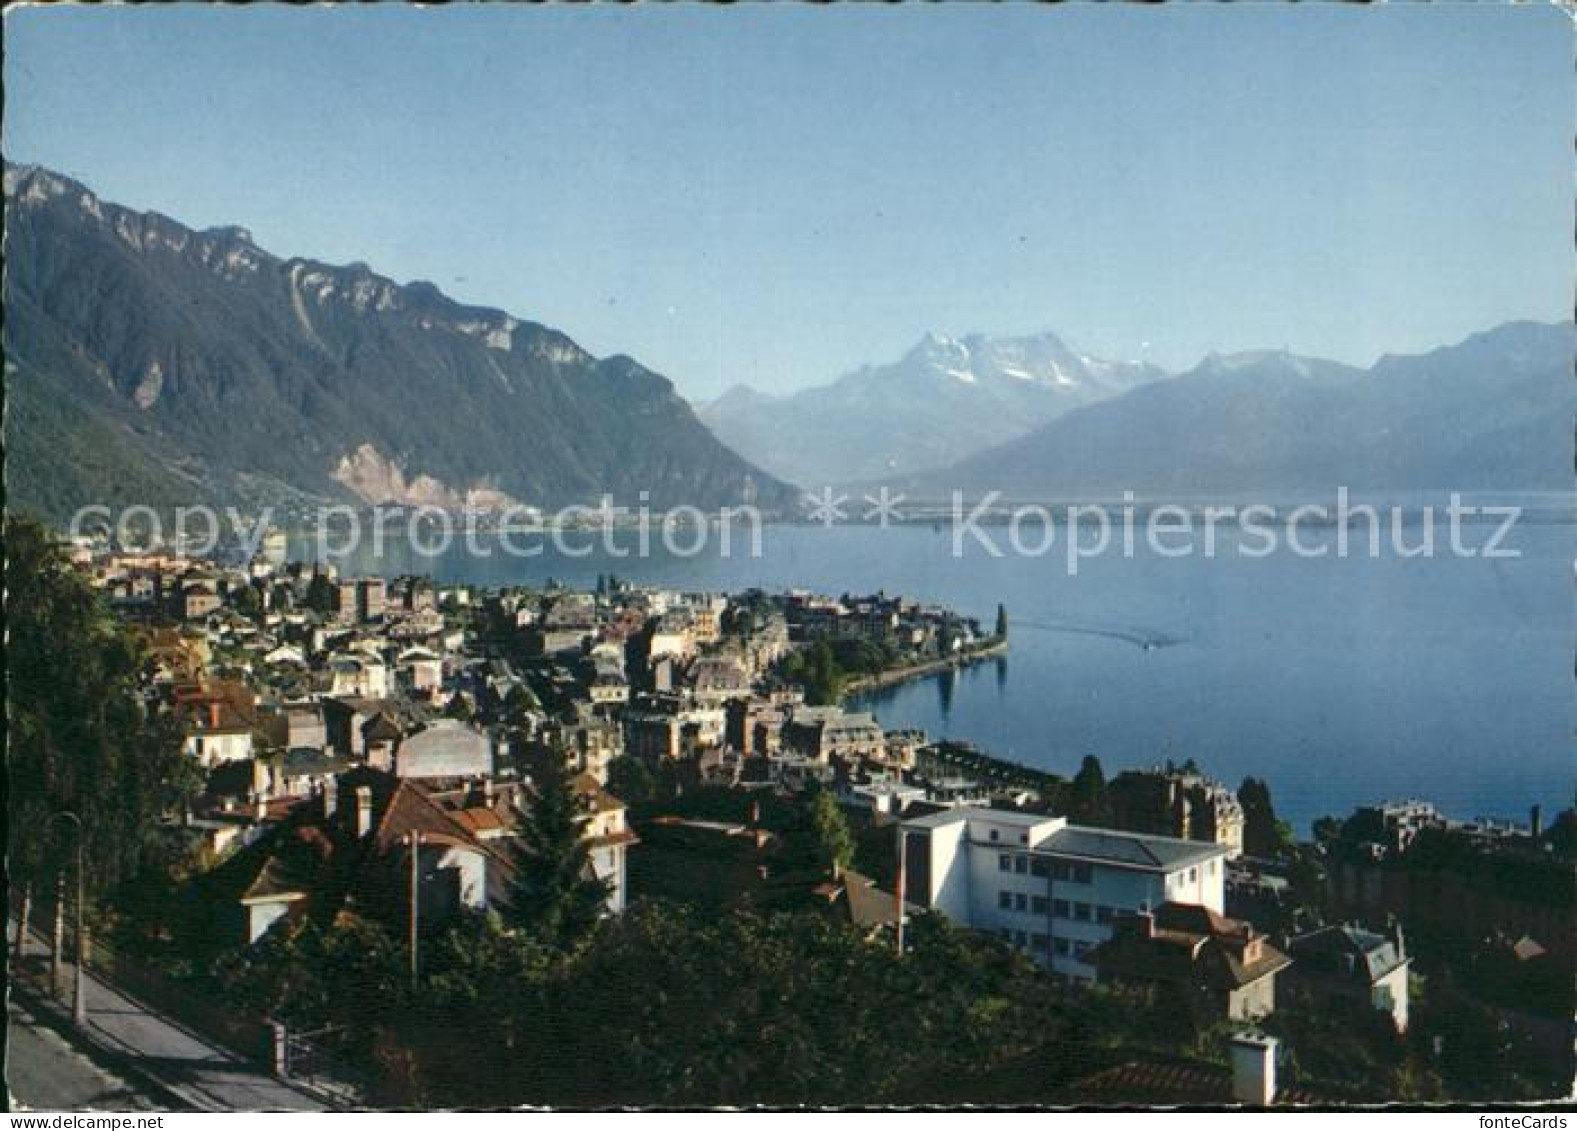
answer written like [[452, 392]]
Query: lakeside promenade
[[864, 684]]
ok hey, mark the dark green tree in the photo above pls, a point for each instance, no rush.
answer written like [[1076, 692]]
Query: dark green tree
[[631, 780], [320, 593], [555, 896], [834, 841], [1263, 834], [79, 738], [1088, 800], [246, 601]]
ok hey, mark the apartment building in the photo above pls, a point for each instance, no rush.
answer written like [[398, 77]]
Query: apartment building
[[1050, 888]]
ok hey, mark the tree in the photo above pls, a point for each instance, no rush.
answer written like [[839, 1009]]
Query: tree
[[834, 842], [1263, 834], [79, 739], [1327, 830], [247, 602], [631, 780], [1088, 800], [320, 593], [555, 896]]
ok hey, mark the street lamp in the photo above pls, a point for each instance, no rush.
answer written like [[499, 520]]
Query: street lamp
[[898, 894], [79, 1001], [415, 840]]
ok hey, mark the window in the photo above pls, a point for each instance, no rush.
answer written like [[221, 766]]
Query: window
[[994, 834], [1080, 947], [1020, 938], [1038, 904], [1081, 873], [1060, 946], [1059, 908], [1020, 902], [1004, 863], [1005, 900], [1081, 911], [1193, 875], [1039, 942], [1021, 865], [1038, 867], [1023, 838], [1004, 934], [1103, 914], [1059, 871]]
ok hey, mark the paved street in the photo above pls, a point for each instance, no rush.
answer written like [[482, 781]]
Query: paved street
[[45, 1073], [204, 1076]]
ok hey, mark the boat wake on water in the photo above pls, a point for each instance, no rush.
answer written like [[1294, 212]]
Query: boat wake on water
[[1146, 639]]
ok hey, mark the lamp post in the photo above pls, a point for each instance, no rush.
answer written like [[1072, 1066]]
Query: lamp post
[[898, 893], [79, 1001], [416, 873]]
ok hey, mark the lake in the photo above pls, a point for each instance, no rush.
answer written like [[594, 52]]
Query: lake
[[1340, 681]]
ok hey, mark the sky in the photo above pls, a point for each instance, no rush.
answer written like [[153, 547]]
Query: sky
[[777, 195]]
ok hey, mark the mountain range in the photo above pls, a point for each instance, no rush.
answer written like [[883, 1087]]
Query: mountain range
[[148, 362], [943, 401], [1493, 412]]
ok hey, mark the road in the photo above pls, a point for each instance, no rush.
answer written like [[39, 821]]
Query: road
[[200, 1074], [45, 1073]]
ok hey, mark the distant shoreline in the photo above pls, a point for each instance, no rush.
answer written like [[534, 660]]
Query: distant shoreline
[[861, 685]]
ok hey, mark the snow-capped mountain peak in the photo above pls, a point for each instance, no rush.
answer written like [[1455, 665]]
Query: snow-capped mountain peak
[[945, 398]]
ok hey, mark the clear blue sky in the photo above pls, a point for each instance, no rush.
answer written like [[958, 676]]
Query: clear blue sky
[[778, 195]]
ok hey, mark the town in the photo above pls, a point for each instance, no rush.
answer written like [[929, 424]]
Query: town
[[386, 807]]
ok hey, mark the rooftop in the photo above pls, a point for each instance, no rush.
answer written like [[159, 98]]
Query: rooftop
[[1112, 846]]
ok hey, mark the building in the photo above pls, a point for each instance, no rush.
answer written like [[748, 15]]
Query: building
[[446, 748], [1226, 962], [372, 598], [353, 849], [1249, 1081], [1351, 962], [1177, 803], [608, 837], [822, 733], [356, 674], [217, 722], [1048, 887]]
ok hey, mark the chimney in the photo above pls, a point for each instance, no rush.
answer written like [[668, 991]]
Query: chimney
[[1144, 924], [363, 810], [1254, 1069], [213, 714], [1536, 821]]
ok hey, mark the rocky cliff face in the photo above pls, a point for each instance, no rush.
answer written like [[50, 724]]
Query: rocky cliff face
[[153, 363]]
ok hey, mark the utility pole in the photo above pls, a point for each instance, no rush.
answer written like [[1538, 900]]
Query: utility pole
[[79, 1001], [903, 845], [57, 941], [416, 876]]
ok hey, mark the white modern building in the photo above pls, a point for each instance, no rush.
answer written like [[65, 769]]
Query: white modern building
[[1048, 887]]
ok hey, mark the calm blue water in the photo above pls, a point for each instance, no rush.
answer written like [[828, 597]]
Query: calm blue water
[[1340, 681]]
